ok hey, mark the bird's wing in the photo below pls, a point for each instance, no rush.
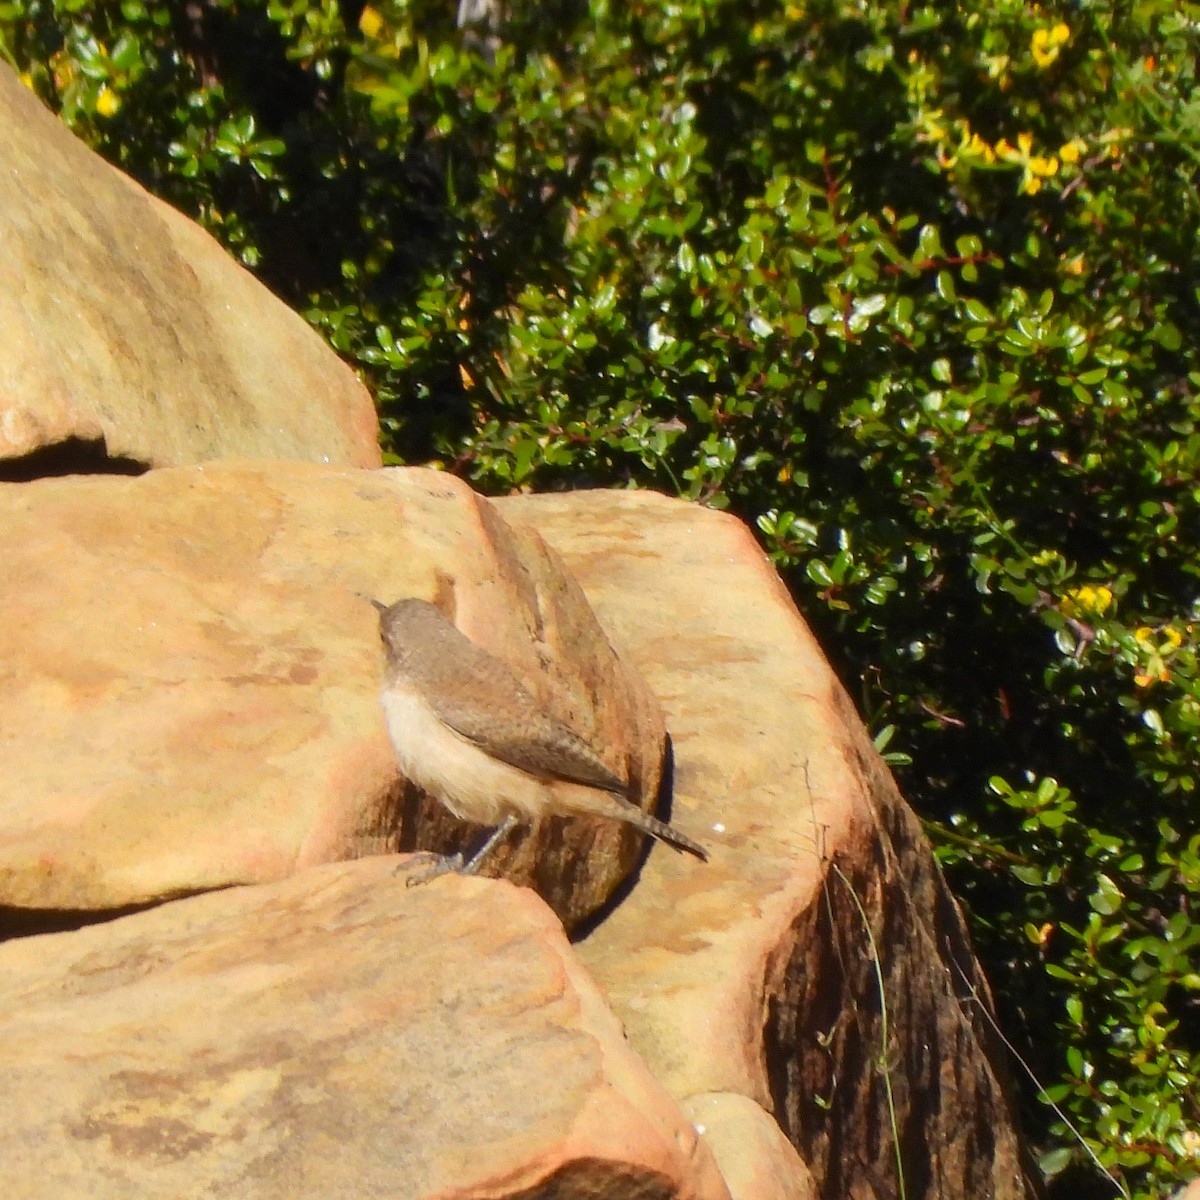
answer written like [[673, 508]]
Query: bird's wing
[[549, 750], [484, 700]]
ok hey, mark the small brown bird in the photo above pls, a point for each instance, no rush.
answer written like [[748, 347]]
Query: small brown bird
[[468, 731]]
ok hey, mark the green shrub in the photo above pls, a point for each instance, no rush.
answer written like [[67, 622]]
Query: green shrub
[[910, 288]]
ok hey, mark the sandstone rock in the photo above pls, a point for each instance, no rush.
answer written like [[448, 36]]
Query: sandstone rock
[[310, 1038], [757, 1162], [197, 703], [129, 338], [255, 746], [754, 975]]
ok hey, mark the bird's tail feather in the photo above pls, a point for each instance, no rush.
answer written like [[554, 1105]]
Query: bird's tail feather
[[633, 815], [592, 801]]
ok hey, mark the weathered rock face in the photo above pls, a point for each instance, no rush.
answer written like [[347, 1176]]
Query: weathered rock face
[[194, 671], [310, 1038], [191, 700], [129, 338], [754, 976]]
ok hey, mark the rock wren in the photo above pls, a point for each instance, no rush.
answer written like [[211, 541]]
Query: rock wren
[[469, 732]]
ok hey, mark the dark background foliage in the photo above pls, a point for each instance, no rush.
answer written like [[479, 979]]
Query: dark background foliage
[[909, 288]]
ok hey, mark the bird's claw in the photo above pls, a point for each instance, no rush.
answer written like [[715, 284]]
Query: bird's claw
[[439, 864]]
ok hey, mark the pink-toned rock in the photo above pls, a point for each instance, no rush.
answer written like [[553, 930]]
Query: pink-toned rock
[[746, 984], [754, 976], [757, 1162], [195, 702], [125, 327], [311, 1038]]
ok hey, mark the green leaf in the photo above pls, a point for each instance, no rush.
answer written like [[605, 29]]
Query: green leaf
[[1107, 898], [1054, 1162], [977, 312], [818, 572], [1168, 336]]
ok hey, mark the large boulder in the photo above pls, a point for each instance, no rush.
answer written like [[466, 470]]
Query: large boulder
[[311, 1038], [754, 979], [191, 701], [129, 338], [194, 671]]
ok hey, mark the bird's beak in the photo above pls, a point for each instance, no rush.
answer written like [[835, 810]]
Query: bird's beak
[[379, 604]]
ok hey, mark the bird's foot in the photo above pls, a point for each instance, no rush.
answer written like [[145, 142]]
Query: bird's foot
[[439, 864], [455, 864]]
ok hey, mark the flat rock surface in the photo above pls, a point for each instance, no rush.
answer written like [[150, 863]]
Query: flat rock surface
[[310, 1038], [124, 326]]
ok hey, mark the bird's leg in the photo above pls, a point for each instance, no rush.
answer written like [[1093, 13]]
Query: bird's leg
[[472, 865], [454, 863]]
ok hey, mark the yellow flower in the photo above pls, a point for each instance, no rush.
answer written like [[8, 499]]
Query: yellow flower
[[1086, 600], [1074, 266], [1159, 644], [1046, 43], [976, 147], [1037, 166], [1070, 151], [1021, 152], [1172, 639], [1154, 673], [932, 121], [107, 102], [370, 23]]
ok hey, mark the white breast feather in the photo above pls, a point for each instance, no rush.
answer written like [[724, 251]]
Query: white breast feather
[[446, 765]]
